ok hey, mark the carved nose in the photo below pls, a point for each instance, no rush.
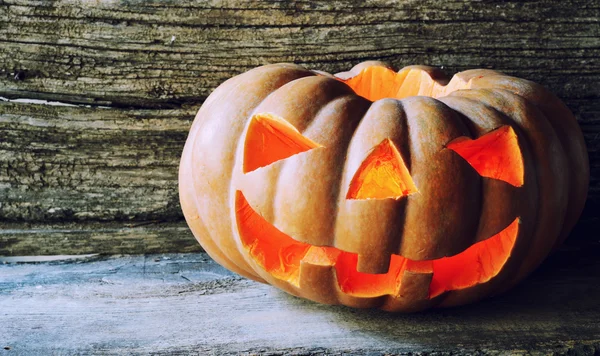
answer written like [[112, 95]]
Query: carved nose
[[382, 175], [375, 201]]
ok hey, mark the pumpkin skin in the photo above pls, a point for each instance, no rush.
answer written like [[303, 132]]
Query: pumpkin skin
[[304, 197]]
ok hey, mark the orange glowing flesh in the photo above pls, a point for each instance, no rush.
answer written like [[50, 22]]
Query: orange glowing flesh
[[269, 139], [494, 155], [377, 82], [281, 256], [382, 174], [276, 252]]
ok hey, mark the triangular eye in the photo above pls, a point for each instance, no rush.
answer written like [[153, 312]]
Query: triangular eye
[[494, 155], [382, 175], [269, 139]]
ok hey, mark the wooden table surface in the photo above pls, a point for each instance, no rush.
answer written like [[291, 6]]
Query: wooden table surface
[[186, 303]]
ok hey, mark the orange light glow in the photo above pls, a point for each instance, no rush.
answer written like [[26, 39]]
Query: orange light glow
[[377, 82], [477, 264], [382, 175], [276, 252], [281, 256], [494, 155], [269, 139]]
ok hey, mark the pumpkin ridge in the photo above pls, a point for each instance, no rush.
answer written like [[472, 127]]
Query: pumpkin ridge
[[193, 217], [407, 149], [256, 110], [348, 172], [429, 230], [481, 118], [207, 112], [468, 125], [337, 90], [560, 161], [478, 125], [239, 153], [277, 74], [320, 116], [552, 107], [539, 133]]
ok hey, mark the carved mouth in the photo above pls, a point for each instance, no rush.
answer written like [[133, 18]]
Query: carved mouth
[[282, 257]]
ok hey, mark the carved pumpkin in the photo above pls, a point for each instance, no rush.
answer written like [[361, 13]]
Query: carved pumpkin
[[373, 188]]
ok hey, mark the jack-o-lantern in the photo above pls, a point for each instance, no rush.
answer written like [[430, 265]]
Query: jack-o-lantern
[[375, 188]]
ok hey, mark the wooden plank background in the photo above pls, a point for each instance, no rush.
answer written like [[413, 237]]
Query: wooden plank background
[[97, 96]]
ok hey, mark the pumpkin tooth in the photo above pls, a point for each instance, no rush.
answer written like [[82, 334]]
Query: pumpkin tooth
[[360, 284], [374, 262]]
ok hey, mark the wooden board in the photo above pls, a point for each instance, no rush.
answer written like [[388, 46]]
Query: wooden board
[[103, 92], [185, 303], [77, 238], [61, 163], [157, 53]]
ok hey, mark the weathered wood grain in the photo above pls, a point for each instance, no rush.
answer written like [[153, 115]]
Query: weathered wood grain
[[20, 239], [61, 163], [157, 53], [145, 67], [187, 304]]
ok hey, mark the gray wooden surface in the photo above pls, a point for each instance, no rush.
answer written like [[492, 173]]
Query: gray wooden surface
[[142, 68], [92, 237], [186, 304]]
